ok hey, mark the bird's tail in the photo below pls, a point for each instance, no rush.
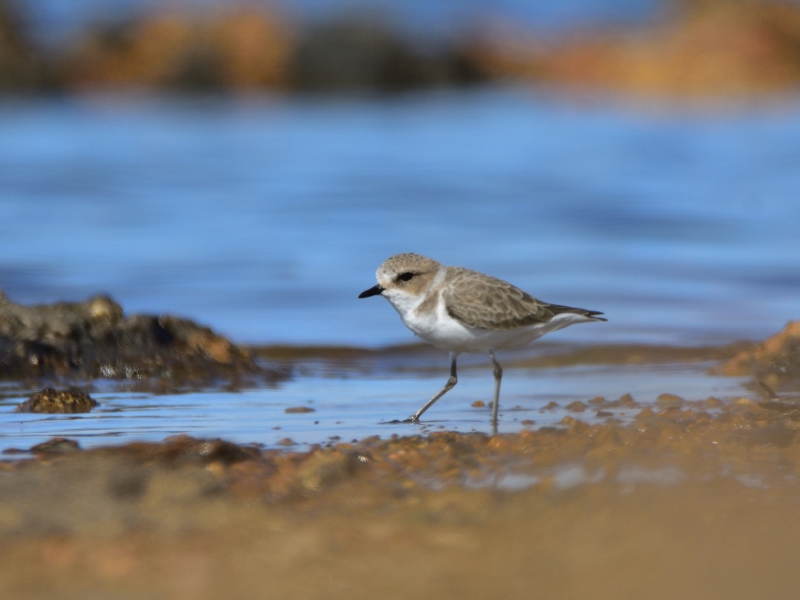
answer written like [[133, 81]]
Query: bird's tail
[[591, 315]]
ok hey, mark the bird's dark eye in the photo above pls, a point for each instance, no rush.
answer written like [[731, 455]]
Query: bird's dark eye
[[406, 277]]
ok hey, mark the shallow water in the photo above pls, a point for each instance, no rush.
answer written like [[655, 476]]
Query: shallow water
[[355, 405], [264, 218]]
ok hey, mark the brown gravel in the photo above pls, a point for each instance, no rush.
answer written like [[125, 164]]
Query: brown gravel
[[691, 501]]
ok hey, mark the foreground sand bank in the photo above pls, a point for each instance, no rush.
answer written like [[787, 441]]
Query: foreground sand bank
[[699, 500]]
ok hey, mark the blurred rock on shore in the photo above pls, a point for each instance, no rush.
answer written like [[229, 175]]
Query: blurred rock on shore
[[704, 48]]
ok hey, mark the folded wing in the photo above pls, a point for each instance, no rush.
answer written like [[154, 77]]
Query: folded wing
[[485, 302]]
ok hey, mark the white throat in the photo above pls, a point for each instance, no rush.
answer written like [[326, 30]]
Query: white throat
[[406, 303]]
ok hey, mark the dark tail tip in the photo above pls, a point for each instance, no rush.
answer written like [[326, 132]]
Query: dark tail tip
[[592, 314]]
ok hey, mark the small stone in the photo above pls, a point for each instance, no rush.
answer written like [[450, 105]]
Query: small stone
[[299, 409], [669, 401], [645, 413], [56, 445], [527, 422], [712, 402], [478, 404], [576, 406], [626, 399], [604, 413], [597, 400], [50, 400], [286, 442], [551, 406]]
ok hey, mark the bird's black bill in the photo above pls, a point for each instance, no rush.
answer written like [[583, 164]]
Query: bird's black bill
[[373, 291]]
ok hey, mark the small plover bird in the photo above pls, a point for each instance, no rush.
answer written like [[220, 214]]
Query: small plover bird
[[459, 310]]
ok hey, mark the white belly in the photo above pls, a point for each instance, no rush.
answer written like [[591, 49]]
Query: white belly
[[441, 330]]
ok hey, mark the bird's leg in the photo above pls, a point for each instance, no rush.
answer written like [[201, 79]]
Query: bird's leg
[[498, 376], [447, 387]]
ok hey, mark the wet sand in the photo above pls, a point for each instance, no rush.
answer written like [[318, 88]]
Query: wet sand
[[698, 500]]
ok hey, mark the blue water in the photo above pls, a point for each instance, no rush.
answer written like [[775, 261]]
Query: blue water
[[265, 217], [352, 405]]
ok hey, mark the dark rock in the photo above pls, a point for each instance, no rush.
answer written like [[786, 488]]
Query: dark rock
[[669, 401], [69, 341], [50, 400], [776, 360], [178, 450], [56, 446], [299, 409], [365, 54], [576, 406], [20, 67], [183, 448]]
